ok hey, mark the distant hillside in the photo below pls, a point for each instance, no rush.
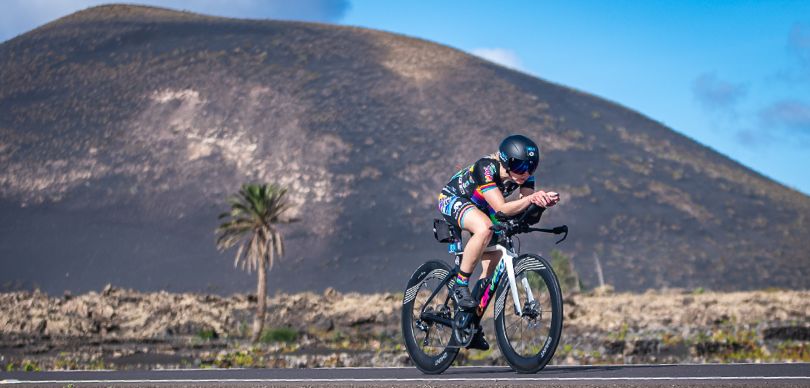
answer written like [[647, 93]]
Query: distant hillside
[[123, 128]]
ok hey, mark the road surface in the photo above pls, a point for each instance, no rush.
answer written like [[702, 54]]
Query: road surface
[[702, 375]]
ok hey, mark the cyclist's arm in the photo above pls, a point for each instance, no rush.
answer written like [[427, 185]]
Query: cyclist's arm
[[483, 173], [541, 198], [496, 201], [538, 197]]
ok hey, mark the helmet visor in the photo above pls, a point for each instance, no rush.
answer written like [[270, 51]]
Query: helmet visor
[[521, 166]]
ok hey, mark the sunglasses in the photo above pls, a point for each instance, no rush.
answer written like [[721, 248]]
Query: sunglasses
[[520, 167]]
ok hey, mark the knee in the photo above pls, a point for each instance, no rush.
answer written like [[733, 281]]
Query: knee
[[484, 231]]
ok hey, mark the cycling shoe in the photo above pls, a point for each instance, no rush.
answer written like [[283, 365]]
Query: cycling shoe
[[463, 299], [478, 341]]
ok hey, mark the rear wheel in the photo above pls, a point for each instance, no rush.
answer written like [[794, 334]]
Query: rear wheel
[[429, 343], [528, 338]]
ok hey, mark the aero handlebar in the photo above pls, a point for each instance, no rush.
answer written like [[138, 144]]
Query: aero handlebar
[[511, 226]]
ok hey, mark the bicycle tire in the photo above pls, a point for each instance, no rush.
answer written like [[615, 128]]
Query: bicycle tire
[[518, 336], [421, 284]]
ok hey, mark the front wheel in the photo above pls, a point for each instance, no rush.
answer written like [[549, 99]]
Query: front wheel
[[529, 336], [429, 341]]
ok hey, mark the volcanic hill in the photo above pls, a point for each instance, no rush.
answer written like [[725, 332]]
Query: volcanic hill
[[124, 128]]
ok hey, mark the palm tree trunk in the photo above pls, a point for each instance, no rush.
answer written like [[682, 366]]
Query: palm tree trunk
[[261, 295]]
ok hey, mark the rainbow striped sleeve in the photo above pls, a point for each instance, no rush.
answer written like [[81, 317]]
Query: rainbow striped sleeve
[[487, 187]]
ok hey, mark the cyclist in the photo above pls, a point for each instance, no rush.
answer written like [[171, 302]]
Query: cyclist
[[472, 198]]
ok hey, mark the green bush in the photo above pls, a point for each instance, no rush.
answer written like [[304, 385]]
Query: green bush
[[566, 273], [30, 366], [64, 362], [280, 334], [338, 336], [97, 364], [207, 334], [239, 359]]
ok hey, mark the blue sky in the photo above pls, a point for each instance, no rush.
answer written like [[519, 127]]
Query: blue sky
[[733, 75]]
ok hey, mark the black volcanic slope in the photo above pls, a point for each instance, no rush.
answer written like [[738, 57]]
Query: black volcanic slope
[[122, 130]]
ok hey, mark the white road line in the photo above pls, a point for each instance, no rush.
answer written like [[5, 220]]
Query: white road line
[[454, 379], [683, 364], [548, 368]]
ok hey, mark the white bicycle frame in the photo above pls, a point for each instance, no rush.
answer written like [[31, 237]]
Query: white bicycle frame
[[508, 256]]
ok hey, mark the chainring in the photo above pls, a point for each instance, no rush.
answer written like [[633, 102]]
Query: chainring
[[463, 330]]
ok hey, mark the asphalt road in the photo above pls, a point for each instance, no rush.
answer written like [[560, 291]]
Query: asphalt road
[[703, 375]]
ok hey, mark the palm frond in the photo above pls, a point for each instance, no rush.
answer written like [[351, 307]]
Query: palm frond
[[234, 225], [238, 254], [249, 224], [279, 244], [226, 242]]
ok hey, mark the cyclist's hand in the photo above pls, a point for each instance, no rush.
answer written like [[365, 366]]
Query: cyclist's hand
[[540, 198], [554, 196]]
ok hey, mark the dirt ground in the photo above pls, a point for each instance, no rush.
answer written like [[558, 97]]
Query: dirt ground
[[125, 329]]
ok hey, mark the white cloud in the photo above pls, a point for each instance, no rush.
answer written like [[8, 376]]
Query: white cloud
[[714, 93], [789, 113], [501, 56], [20, 16]]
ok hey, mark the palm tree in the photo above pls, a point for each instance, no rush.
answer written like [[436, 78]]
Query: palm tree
[[251, 223]]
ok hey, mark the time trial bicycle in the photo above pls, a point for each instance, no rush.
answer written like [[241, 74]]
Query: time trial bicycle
[[528, 302]]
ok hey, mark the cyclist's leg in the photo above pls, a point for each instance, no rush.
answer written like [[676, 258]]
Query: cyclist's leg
[[478, 224], [489, 260], [462, 213]]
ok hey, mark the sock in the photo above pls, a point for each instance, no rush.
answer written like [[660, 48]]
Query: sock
[[463, 278]]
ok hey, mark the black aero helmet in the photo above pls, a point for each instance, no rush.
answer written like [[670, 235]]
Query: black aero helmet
[[519, 154]]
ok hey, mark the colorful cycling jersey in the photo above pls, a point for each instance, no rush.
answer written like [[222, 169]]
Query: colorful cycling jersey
[[483, 175]]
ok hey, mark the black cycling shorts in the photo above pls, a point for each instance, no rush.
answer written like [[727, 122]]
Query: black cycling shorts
[[454, 209]]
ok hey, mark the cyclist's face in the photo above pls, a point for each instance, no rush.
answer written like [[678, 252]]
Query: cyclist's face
[[519, 178]]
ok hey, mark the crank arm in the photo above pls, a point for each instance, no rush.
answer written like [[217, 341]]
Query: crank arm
[[433, 318]]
